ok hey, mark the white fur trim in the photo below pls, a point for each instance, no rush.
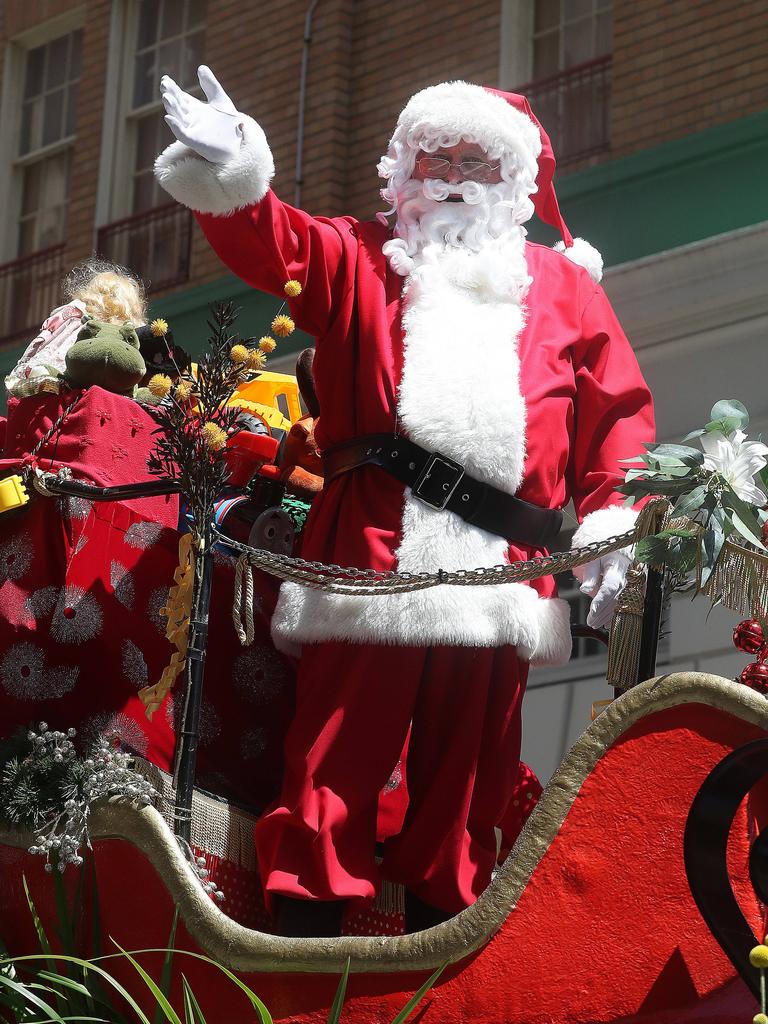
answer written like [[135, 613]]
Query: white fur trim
[[445, 615], [600, 525], [460, 395], [584, 255], [470, 112], [218, 188]]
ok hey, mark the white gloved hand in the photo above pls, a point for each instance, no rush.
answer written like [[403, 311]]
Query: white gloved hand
[[214, 129], [603, 580]]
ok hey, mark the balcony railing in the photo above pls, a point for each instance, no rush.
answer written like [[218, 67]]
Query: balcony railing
[[574, 107], [154, 244], [29, 290]]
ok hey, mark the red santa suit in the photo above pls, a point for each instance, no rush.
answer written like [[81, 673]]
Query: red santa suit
[[540, 398]]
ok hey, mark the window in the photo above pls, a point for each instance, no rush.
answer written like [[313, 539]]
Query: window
[[48, 78], [169, 41], [570, 74], [152, 235]]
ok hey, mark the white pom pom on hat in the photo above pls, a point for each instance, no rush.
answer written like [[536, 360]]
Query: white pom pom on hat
[[461, 108]]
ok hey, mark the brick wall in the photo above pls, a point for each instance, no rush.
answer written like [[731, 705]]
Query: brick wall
[[681, 67], [399, 48]]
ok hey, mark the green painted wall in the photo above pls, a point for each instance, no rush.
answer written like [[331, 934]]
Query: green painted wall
[[187, 313], [665, 197]]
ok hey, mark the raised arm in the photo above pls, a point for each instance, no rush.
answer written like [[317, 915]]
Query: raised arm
[[221, 167]]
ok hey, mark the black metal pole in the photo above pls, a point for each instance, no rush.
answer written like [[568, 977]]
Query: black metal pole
[[186, 764], [119, 492], [652, 611]]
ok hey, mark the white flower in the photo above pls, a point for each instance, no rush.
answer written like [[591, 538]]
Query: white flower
[[737, 461]]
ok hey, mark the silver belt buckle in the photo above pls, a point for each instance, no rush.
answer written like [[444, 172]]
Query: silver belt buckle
[[448, 486]]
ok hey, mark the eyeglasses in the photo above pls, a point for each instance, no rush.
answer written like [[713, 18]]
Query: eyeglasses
[[470, 170]]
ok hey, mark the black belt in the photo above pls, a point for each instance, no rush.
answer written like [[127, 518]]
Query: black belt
[[442, 483]]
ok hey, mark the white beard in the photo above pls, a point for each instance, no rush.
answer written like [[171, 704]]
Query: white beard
[[477, 244]]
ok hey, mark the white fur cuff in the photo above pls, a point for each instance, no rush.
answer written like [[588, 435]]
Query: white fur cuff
[[218, 188], [491, 616], [600, 525], [584, 255]]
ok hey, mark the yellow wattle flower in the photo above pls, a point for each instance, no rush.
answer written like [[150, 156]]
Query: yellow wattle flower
[[292, 288], [183, 390], [282, 325], [758, 956], [159, 327], [267, 344], [160, 385], [238, 353], [760, 1018], [214, 437], [256, 359]]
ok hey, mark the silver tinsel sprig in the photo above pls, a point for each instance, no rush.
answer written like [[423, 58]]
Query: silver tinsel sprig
[[107, 771], [198, 865]]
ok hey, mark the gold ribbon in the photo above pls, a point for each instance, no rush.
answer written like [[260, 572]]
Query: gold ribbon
[[178, 611]]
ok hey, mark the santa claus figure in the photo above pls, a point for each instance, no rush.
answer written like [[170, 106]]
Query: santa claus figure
[[471, 384]]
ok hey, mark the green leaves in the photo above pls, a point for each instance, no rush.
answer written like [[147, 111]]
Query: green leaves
[[701, 490], [416, 998], [727, 415], [338, 999]]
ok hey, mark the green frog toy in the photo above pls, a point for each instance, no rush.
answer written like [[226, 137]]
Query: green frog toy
[[106, 355]]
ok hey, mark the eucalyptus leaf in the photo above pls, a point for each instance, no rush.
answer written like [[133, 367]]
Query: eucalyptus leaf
[[746, 532], [692, 502], [651, 550], [679, 451], [746, 515], [677, 533], [714, 538], [725, 425], [731, 409]]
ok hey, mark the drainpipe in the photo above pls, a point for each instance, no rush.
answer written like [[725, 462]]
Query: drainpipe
[[299, 178]]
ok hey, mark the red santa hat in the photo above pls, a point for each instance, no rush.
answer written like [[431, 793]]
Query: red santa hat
[[503, 124]]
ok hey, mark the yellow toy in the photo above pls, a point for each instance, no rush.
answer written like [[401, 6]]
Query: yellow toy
[[13, 493], [273, 397]]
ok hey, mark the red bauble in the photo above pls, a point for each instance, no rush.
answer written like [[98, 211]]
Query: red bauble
[[748, 636], [756, 676]]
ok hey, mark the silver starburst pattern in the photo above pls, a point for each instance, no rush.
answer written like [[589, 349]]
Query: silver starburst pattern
[[259, 674], [16, 557], [107, 724], [23, 674], [210, 721], [143, 535], [253, 744], [77, 617], [158, 599], [75, 508], [41, 602], [134, 665], [121, 580], [394, 780]]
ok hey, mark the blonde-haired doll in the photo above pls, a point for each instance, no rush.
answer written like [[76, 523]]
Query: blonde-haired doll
[[107, 292]]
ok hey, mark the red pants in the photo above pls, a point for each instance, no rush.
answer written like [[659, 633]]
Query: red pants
[[354, 705]]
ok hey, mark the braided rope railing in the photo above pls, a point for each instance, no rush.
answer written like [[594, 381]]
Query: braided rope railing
[[337, 579]]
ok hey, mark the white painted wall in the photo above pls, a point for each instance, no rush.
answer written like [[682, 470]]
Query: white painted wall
[[698, 319]]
